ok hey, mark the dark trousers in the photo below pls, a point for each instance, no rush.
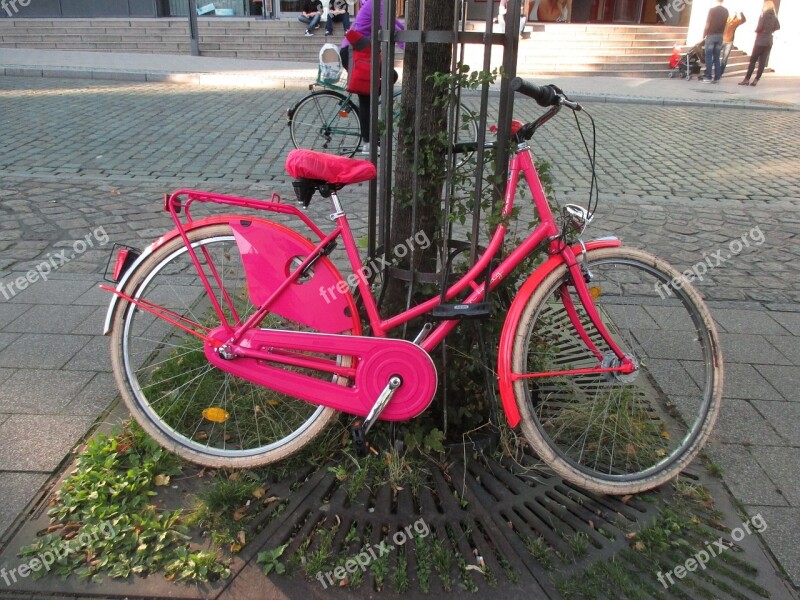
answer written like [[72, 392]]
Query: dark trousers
[[363, 99], [760, 54]]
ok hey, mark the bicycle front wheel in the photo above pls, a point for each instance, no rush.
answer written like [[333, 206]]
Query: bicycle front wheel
[[326, 121], [189, 406], [618, 433]]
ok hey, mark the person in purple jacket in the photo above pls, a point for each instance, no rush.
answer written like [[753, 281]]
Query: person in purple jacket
[[363, 25]]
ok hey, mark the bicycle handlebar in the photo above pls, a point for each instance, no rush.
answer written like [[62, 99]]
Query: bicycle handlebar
[[547, 95]]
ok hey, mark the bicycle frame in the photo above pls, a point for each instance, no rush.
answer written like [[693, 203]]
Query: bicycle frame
[[546, 232]]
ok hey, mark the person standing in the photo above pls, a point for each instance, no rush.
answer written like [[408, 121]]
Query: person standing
[[312, 13], [338, 12], [734, 21], [715, 27], [767, 25]]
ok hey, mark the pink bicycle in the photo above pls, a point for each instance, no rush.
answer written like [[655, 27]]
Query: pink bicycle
[[235, 340]]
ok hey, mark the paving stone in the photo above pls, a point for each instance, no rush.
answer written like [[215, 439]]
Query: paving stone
[[746, 321], [6, 374], [781, 466], [50, 319], [788, 345], [99, 395], [94, 356], [41, 391], [739, 423], [746, 479], [23, 437], [743, 381], [6, 339], [784, 379], [789, 320], [750, 349], [783, 416], [9, 312], [782, 535], [53, 292], [42, 351], [19, 489]]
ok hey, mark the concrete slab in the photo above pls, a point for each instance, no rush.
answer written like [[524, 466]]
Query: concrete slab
[[53, 292], [783, 416], [18, 491], [739, 423], [750, 349], [23, 437], [788, 345], [96, 397], [783, 379], [782, 536], [748, 321], [49, 318], [743, 381], [94, 356], [781, 465], [744, 476], [42, 351], [41, 391]]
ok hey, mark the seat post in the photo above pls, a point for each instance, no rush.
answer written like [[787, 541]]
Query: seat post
[[336, 205]]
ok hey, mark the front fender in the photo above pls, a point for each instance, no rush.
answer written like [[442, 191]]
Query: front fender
[[267, 249], [512, 322]]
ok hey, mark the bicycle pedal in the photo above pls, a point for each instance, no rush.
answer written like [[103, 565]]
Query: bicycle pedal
[[479, 310], [359, 439]]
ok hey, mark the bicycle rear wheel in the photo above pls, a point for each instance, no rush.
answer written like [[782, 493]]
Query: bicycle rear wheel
[[326, 121], [613, 433], [189, 406]]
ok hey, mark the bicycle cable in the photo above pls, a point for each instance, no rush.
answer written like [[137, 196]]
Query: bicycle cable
[[592, 156]]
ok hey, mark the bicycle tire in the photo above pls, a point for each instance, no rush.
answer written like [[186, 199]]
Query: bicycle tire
[[160, 368], [661, 415], [326, 121]]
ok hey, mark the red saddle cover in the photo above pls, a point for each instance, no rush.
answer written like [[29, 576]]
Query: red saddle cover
[[308, 164]]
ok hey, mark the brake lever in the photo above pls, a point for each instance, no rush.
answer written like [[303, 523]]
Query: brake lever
[[564, 101]]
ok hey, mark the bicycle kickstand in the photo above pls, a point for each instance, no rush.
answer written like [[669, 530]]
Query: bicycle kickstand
[[362, 426]]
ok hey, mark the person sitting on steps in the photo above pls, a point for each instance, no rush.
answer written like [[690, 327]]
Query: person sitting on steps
[[338, 11], [312, 13]]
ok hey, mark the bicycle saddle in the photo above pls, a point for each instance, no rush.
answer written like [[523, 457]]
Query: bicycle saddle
[[335, 170]]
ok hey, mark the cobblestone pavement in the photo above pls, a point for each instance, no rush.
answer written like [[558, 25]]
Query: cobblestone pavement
[[81, 161]]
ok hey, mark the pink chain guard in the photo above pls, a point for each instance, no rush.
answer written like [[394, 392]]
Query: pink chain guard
[[268, 251], [376, 360]]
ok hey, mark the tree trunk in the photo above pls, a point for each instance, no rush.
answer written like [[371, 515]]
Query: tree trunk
[[432, 118]]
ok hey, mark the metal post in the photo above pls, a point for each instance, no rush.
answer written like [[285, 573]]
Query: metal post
[[193, 33]]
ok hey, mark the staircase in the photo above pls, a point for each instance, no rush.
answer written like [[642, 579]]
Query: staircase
[[547, 49]]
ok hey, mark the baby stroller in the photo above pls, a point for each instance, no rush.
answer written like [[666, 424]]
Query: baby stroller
[[686, 62]]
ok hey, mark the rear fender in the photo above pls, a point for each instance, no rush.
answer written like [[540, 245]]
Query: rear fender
[[268, 249], [512, 322]]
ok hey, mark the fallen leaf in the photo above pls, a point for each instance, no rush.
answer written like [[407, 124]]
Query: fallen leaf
[[239, 514], [241, 537], [639, 546], [270, 500], [161, 479], [591, 524], [626, 499], [234, 476], [259, 492], [630, 536]]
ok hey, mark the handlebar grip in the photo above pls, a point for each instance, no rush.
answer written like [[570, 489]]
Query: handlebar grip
[[544, 95]]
